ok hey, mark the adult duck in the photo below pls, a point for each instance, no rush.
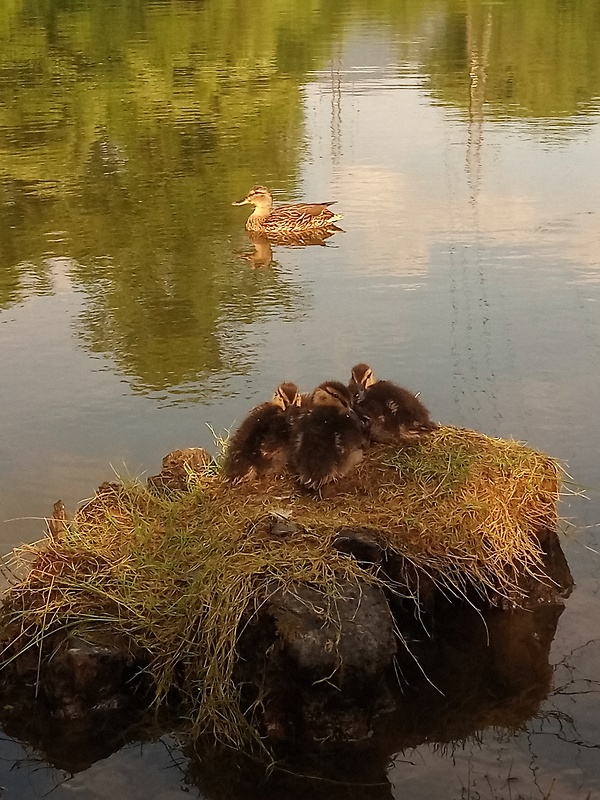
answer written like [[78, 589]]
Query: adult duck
[[293, 218]]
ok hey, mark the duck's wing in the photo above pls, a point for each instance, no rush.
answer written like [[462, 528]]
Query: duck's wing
[[307, 210]]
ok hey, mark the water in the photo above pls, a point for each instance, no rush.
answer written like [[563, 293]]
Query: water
[[460, 140]]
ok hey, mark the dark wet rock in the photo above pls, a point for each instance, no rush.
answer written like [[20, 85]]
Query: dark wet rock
[[76, 699], [419, 590], [319, 665], [318, 670], [560, 582], [348, 642], [552, 583], [361, 543], [468, 670], [479, 670], [83, 676], [178, 466]]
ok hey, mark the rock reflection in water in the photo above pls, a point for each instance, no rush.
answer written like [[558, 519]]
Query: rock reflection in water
[[262, 255], [480, 670], [483, 670]]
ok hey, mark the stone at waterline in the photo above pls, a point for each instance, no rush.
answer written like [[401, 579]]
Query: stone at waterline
[[179, 466], [319, 664], [500, 657]]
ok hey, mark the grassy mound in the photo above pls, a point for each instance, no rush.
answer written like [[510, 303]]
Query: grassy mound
[[178, 574]]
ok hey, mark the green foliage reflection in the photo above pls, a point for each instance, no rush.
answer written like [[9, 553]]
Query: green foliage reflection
[[128, 126]]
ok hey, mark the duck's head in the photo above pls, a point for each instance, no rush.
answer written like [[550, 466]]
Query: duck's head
[[258, 196], [332, 393], [286, 395], [362, 375], [361, 378]]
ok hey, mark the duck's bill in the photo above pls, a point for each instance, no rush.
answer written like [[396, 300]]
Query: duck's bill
[[241, 202]]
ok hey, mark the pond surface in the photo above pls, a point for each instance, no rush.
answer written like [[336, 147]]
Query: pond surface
[[461, 141]]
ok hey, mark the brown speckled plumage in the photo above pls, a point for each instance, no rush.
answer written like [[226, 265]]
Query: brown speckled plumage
[[396, 415], [293, 218], [259, 446], [328, 438]]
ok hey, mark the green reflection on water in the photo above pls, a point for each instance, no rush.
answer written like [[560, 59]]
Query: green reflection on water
[[126, 129], [536, 60]]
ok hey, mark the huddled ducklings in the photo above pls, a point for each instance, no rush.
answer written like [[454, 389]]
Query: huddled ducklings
[[259, 446], [328, 437], [395, 414]]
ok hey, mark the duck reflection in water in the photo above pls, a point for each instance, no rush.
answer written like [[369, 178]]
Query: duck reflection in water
[[262, 255]]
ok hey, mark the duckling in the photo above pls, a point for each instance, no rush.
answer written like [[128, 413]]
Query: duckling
[[328, 438], [396, 414], [291, 218], [259, 446]]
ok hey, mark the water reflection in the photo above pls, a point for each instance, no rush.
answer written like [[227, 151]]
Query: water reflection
[[469, 65], [262, 255], [191, 101], [477, 672]]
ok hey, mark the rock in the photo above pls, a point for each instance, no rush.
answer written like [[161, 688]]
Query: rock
[[418, 589], [178, 466], [349, 642], [83, 676], [561, 583], [360, 543], [318, 666]]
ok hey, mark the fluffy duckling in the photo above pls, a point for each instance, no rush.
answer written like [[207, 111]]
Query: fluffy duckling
[[328, 438], [395, 414], [259, 446]]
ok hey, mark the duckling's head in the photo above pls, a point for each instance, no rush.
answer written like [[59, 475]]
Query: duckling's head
[[332, 393], [286, 395], [362, 375], [258, 196]]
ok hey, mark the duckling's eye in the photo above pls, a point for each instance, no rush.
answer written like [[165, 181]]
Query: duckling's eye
[[340, 398]]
